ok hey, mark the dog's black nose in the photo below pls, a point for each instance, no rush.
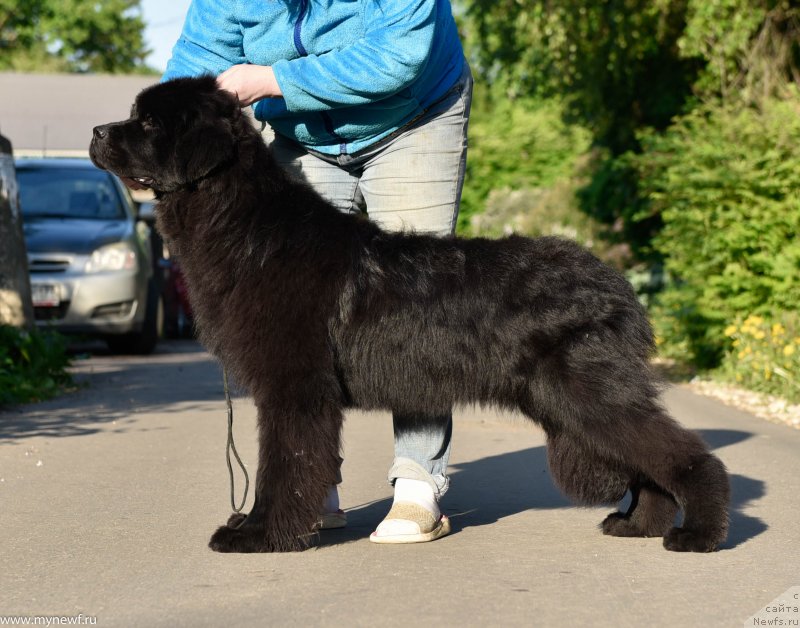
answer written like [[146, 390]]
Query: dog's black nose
[[100, 132]]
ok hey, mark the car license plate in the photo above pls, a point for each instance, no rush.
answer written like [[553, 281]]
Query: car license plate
[[45, 295]]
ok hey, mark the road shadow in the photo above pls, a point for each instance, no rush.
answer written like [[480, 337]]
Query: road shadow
[[481, 492], [115, 389], [484, 491], [744, 491]]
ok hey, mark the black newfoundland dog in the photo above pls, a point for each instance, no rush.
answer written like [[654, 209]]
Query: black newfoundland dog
[[314, 311]]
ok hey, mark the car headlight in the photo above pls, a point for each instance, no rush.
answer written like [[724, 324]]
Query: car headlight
[[119, 256]]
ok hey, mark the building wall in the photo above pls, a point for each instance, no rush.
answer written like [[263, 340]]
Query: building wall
[[54, 114]]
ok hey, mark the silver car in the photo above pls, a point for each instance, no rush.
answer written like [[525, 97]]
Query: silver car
[[90, 259]]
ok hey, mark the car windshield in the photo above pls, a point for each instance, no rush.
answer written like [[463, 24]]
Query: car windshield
[[66, 192]]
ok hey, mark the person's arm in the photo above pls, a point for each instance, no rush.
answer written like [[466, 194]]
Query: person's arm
[[211, 41], [393, 51]]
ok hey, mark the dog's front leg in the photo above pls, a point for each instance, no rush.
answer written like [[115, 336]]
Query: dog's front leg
[[298, 462]]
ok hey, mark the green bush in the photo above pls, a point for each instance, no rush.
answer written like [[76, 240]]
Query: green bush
[[516, 144], [549, 211], [725, 182], [611, 196], [536, 212], [32, 365]]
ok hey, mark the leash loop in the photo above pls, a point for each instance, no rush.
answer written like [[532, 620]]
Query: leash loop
[[231, 446]]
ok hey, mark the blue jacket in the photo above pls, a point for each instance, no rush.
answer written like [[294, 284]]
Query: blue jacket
[[351, 71]]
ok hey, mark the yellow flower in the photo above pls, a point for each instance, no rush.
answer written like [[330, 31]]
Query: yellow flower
[[788, 350], [759, 335], [754, 320], [767, 373], [737, 342], [778, 330], [730, 330]]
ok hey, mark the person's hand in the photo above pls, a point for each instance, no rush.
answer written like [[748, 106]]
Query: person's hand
[[249, 83]]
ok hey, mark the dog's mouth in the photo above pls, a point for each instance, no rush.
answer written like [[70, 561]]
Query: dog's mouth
[[137, 183], [105, 157]]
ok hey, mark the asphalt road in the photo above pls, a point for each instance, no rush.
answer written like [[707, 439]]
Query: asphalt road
[[108, 496]]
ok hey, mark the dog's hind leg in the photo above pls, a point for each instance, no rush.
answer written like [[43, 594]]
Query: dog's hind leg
[[679, 463], [651, 513], [590, 479], [299, 442], [602, 394], [701, 485], [582, 474]]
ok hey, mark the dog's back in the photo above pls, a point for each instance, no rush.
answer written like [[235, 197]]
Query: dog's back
[[474, 320]]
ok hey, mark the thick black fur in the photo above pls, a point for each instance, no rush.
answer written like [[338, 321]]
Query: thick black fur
[[314, 311]]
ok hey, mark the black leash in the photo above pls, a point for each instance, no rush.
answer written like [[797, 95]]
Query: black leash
[[232, 447]]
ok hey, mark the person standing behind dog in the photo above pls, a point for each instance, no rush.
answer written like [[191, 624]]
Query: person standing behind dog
[[369, 103]]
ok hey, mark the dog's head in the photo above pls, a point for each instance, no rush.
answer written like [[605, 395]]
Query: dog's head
[[178, 132]]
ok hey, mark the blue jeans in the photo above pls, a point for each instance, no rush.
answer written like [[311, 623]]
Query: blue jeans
[[409, 180]]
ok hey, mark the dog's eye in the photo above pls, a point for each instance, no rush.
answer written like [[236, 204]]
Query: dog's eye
[[148, 123]]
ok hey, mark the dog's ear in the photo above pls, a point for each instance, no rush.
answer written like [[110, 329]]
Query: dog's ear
[[202, 149]]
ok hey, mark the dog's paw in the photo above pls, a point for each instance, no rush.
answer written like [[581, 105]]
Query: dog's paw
[[237, 540], [249, 539], [683, 540], [619, 524]]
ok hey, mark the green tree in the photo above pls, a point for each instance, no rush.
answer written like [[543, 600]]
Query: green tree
[[723, 179], [628, 67], [617, 66], [617, 62], [72, 36], [751, 48], [516, 143]]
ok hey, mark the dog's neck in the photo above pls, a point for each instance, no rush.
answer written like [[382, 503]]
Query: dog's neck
[[235, 185], [161, 191]]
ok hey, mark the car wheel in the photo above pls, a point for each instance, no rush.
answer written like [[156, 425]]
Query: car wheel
[[143, 342]]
